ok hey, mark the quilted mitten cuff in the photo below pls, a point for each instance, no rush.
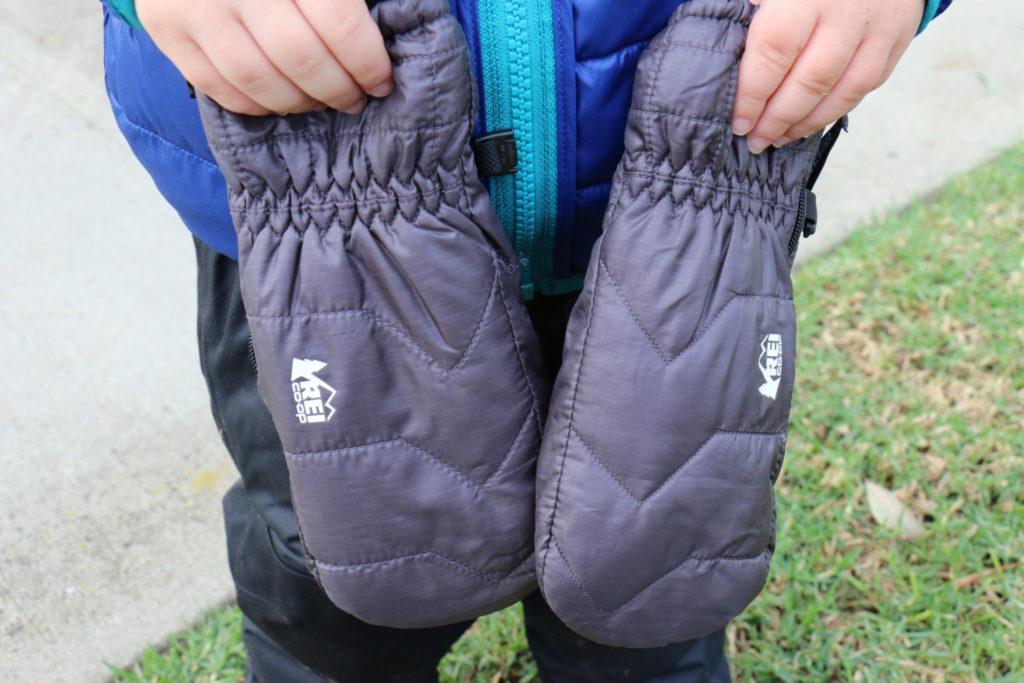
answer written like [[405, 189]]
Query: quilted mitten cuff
[[668, 420], [393, 346]]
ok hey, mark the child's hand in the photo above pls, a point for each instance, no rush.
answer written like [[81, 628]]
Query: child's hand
[[809, 62], [263, 56]]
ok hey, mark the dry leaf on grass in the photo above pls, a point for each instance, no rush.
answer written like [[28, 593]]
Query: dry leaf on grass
[[971, 580], [888, 511]]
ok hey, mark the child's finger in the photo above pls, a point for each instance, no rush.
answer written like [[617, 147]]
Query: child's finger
[[351, 35], [292, 46], [866, 71], [198, 70], [243, 63], [815, 73], [778, 33]]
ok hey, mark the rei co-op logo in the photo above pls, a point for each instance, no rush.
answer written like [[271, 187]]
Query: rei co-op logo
[[312, 395], [770, 362]]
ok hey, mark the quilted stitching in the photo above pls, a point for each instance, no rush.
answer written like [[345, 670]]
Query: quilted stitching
[[381, 291], [665, 435]]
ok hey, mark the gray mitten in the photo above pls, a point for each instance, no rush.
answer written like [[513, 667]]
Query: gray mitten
[[393, 347], [668, 421]]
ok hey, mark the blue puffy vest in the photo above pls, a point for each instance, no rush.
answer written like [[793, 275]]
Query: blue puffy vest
[[558, 73]]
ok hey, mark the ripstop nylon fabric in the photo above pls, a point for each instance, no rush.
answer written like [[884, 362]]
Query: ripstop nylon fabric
[[667, 426], [393, 346], [595, 47]]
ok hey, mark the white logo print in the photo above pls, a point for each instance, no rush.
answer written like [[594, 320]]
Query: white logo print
[[770, 362], [308, 391]]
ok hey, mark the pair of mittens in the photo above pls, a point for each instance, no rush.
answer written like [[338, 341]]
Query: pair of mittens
[[668, 421], [393, 347], [397, 360]]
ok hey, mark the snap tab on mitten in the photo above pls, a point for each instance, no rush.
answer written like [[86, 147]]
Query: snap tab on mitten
[[496, 153]]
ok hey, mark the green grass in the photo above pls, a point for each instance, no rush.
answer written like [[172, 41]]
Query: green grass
[[493, 650], [911, 374], [210, 652]]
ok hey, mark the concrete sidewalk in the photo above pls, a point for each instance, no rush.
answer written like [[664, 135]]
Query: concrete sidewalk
[[110, 535]]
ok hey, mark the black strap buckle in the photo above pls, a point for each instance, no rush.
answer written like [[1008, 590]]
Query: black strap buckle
[[806, 219], [807, 210], [496, 153]]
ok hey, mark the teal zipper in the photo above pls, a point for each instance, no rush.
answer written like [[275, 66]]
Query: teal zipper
[[517, 54]]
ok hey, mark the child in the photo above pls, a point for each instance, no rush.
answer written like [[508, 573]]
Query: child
[[807, 63]]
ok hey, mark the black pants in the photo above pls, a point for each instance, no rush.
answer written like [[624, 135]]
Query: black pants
[[290, 628]]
